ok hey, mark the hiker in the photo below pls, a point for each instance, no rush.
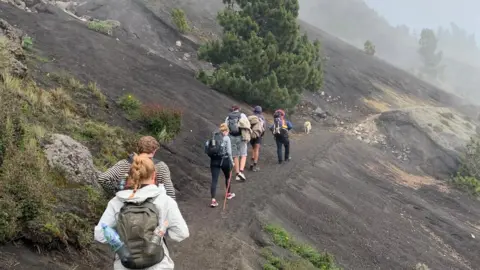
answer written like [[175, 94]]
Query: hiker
[[219, 149], [112, 179], [280, 129], [259, 125], [135, 214], [239, 132]]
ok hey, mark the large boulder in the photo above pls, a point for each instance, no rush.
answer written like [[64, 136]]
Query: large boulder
[[72, 158]]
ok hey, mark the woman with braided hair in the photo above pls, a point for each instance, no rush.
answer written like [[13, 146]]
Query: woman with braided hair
[[142, 188]]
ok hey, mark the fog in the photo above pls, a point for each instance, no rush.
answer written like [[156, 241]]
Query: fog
[[394, 27]]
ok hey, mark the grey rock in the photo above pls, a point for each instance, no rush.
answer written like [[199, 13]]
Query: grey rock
[[19, 69], [72, 158]]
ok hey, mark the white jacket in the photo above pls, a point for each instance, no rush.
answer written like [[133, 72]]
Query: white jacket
[[177, 229]]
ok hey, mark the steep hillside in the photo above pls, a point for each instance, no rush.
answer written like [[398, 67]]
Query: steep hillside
[[355, 200]]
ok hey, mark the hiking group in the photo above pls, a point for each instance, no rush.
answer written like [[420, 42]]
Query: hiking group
[[228, 151], [143, 209]]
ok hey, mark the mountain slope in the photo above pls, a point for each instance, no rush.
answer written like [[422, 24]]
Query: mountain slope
[[338, 194]]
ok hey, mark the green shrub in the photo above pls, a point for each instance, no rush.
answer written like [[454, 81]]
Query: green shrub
[[130, 103], [282, 239], [104, 27], [37, 203], [27, 42], [468, 175], [369, 48], [262, 57], [165, 123], [180, 20]]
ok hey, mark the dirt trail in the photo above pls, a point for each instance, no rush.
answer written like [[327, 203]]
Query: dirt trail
[[220, 235]]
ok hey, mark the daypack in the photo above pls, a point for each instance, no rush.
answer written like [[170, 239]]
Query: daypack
[[278, 127], [136, 223], [215, 148], [258, 126], [232, 121]]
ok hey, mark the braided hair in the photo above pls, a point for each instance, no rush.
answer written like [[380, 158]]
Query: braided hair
[[141, 171]]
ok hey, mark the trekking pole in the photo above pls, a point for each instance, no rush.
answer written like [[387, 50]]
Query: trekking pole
[[226, 191]]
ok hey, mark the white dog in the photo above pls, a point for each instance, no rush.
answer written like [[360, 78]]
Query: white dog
[[307, 126]]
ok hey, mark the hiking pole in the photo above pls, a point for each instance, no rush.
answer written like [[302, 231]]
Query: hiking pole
[[228, 187]]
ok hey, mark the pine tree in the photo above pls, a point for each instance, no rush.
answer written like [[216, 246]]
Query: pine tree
[[262, 57], [428, 51]]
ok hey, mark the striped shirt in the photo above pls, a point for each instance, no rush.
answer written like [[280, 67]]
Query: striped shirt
[[110, 180]]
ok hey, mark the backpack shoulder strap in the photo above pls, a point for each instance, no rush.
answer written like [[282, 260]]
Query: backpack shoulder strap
[[130, 158]]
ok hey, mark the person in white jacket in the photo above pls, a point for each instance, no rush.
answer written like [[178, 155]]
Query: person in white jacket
[[143, 175]]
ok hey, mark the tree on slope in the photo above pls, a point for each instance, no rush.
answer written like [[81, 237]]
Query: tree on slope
[[369, 48], [262, 57], [428, 51]]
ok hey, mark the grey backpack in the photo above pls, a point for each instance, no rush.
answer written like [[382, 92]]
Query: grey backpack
[[136, 223]]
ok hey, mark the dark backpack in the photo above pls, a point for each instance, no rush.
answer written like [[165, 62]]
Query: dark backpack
[[215, 146], [136, 223], [232, 121], [278, 129]]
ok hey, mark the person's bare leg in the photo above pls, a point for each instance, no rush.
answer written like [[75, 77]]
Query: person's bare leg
[[236, 164], [256, 153], [243, 161]]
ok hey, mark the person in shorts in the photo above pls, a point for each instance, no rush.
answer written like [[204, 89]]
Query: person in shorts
[[239, 147], [256, 142]]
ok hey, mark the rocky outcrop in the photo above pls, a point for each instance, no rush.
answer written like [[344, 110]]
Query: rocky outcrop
[[14, 46], [72, 158], [431, 138]]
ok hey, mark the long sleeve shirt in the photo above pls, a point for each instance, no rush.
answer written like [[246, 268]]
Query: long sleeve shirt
[[110, 180]]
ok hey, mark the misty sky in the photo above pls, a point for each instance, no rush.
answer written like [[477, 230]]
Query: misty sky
[[419, 14]]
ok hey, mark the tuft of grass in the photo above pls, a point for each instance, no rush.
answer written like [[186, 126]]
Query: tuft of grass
[[111, 143], [309, 254], [74, 86], [180, 20], [104, 27], [163, 122], [92, 86], [130, 104]]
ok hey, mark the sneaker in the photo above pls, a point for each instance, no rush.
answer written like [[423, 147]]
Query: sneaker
[[214, 203], [238, 178], [252, 167], [241, 176], [256, 168], [230, 196], [280, 161]]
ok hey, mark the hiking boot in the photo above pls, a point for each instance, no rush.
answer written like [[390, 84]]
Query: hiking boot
[[230, 196], [241, 176], [214, 203]]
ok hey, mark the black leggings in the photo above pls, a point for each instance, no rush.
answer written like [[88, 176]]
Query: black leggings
[[215, 167], [281, 140]]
